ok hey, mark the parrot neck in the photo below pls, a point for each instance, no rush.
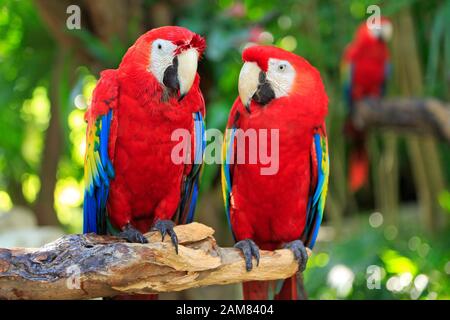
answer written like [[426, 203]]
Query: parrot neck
[[141, 86]]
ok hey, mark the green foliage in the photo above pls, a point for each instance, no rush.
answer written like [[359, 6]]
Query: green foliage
[[413, 265], [444, 200], [316, 29], [25, 52], [438, 62], [108, 55]]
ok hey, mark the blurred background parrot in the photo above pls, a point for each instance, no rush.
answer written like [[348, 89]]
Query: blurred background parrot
[[131, 182], [277, 90], [365, 69]]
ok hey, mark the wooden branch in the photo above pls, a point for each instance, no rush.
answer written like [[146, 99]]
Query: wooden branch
[[90, 266], [422, 116]]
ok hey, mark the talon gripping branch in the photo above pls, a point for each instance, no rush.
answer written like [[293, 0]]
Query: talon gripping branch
[[132, 183], [278, 90]]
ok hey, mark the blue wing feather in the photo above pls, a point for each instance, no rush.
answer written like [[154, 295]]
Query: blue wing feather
[[316, 202], [191, 184], [98, 172], [227, 153]]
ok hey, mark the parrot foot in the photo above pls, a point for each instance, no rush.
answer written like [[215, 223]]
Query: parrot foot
[[300, 254], [249, 249], [166, 227], [131, 234]]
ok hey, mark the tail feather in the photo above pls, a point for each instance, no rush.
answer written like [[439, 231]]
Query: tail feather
[[291, 289], [288, 290], [256, 290], [358, 169], [358, 175]]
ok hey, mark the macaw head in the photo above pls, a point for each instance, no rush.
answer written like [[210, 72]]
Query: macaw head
[[169, 55], [271, 74], [381, 32]]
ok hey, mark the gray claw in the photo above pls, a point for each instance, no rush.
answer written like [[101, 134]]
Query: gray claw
[[300, 254], [249, 249], [131, 234], [166, 227]]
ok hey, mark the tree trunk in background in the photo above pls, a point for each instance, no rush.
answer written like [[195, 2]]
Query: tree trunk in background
[[44, 207], [423, 152], [384, 163], [106, 24], [16, 194]]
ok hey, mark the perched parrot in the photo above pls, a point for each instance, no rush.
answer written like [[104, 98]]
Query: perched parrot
[[131, 180], [277, 90], [365, 69]]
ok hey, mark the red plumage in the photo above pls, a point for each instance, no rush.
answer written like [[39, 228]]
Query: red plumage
[[134, 111], [368, 56], [147, 184], [366, 61], [272, 209]]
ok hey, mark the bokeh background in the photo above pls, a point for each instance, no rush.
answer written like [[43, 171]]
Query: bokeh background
[[388, 241]]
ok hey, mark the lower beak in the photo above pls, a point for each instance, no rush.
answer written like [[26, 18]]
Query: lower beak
[[264, 92], [179, 76], [181, 97], [170, 78]]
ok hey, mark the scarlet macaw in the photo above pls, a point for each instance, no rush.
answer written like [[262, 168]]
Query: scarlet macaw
[[132, 183], [277, 90], [365, 69]]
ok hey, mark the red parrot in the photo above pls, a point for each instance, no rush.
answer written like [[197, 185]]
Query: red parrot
[[131, 181], [365, 69], [282, 91]]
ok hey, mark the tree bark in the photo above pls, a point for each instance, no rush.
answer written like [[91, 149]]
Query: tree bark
[[426, 116], [90, 266]]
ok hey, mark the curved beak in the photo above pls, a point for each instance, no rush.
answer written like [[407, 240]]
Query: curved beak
[[253, 85], [248, 83], [181, 74], [187, 69]]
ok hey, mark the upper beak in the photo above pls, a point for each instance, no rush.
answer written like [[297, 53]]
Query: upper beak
[[187, 69], [253, 84], [248, 83], [181, 74]]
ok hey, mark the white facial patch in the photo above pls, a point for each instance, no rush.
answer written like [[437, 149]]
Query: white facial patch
[[162, 54], [281, 75], [384, 31]]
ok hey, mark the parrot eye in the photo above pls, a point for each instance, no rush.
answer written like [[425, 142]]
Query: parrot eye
[[162, 46], [161, 57], [281, 76]]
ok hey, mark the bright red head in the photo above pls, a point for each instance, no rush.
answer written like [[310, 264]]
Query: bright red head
[[168, 56], [271, 75]]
